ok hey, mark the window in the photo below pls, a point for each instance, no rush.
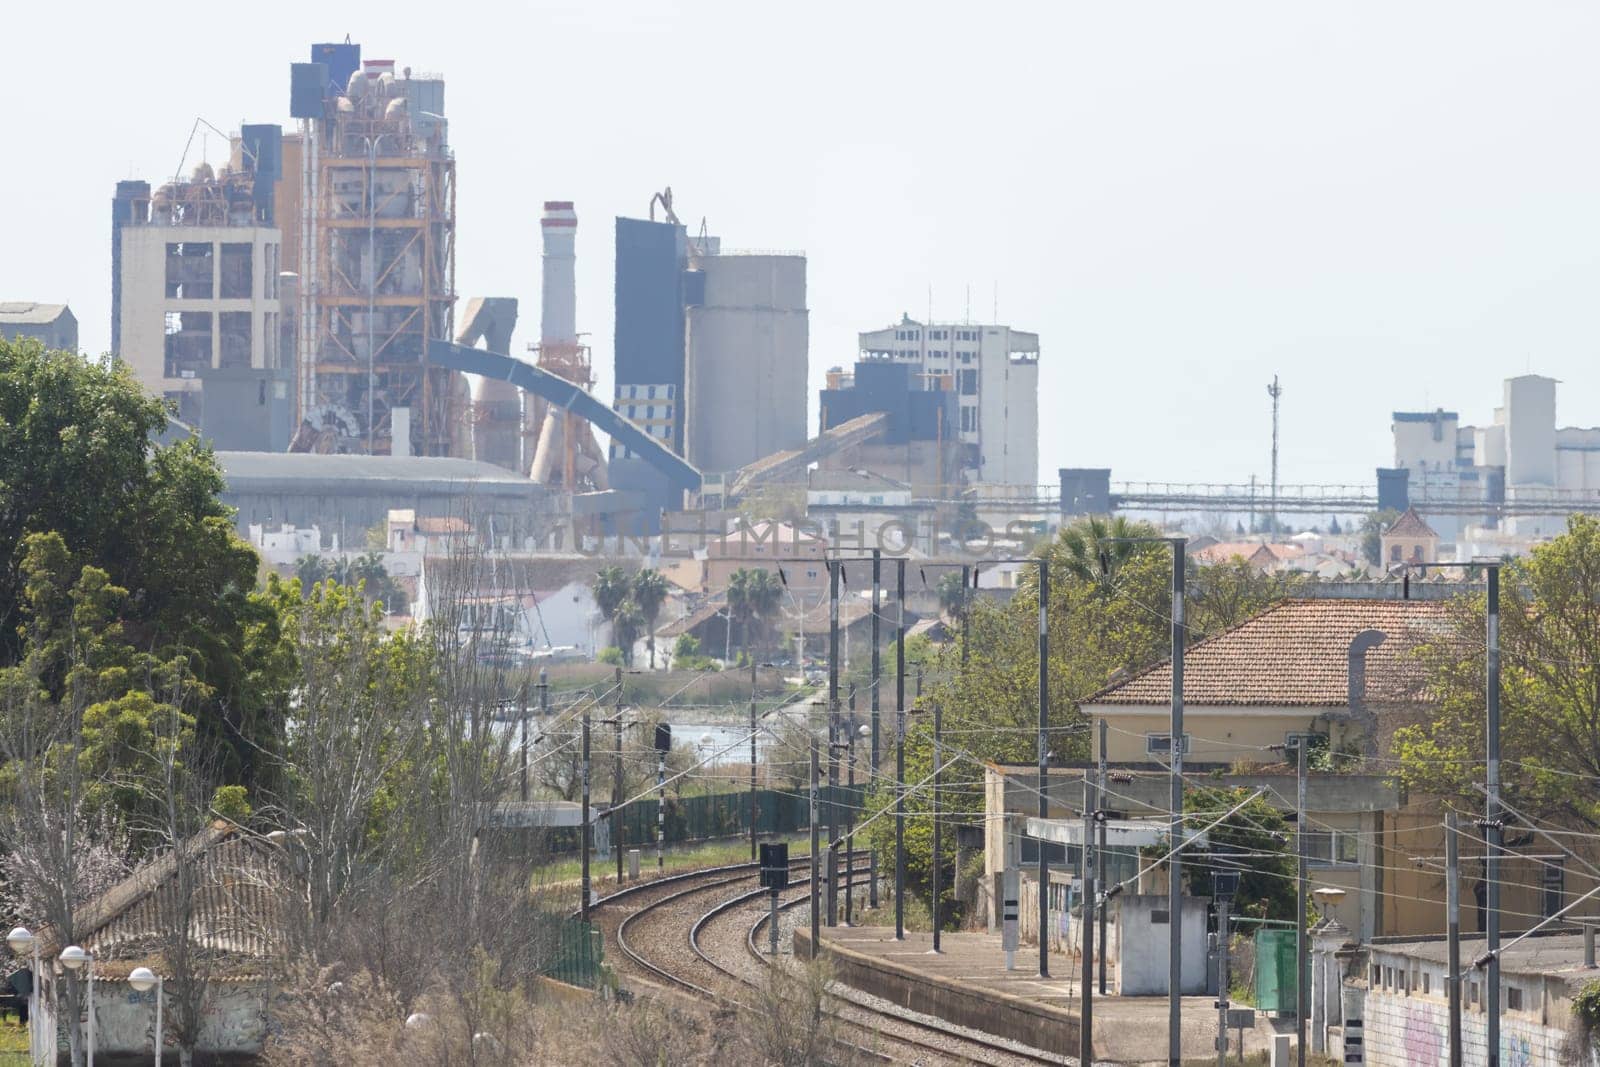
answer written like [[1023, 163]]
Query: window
[[968, 382], [237, 275], [189, 270], [967, 420], [1388, 974], [1394, 553], [1552, 898], [1331, 848], [235, 347], [188, 344], [1425, 982], [1513, 998]]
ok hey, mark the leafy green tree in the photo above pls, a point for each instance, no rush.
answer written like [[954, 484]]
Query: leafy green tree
[[649, 593], [1550, 688], [1104, 619], [1372, 527], [754, 597], [79, 459], [1255, 841], [952, 595]]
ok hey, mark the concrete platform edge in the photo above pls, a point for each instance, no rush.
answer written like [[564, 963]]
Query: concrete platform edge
[[1000, 1014]]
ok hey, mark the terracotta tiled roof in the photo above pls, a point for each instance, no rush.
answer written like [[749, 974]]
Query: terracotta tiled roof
[[1410, 525], [1223, 551], [1295, 654]]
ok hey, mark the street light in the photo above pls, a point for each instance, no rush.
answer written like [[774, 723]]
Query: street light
[[143, 979], [24, 943], [74, 958]]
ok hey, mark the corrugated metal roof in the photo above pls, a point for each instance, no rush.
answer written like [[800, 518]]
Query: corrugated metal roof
[[309, 466], [236, 903]]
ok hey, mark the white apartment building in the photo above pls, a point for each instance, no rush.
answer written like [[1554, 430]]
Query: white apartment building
[[994, 370]]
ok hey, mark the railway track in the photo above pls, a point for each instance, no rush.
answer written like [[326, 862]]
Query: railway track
[[718, 962]]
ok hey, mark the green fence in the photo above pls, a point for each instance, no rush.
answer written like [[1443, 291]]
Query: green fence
[[1277, 973], [576, 954]]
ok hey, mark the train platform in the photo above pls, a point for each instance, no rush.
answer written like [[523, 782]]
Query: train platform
[[967, 983]]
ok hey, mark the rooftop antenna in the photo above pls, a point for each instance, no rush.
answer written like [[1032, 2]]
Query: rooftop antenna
[[930, 302], [968, 319], [1274, 391], [996, 318]]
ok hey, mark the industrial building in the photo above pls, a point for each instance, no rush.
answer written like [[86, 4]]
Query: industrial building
[[375, 206], [1520, 455], [710, 350], [994, 371], [52, 325], [918, 445], [196, 301]]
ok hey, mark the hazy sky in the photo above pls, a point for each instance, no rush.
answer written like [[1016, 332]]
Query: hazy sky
[[1388, 205]]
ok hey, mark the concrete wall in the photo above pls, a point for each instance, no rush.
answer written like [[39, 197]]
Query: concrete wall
[[145, 304], [1412, 1030], [1216, 734], [235, 1014], [746, 361], [1142, 963]]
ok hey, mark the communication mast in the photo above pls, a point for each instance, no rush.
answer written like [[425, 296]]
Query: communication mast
[[1274, 391]]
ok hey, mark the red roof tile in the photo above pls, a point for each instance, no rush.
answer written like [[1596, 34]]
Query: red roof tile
[[1294, 654]]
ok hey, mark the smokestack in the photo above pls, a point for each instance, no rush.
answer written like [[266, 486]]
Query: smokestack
[[558, 325]]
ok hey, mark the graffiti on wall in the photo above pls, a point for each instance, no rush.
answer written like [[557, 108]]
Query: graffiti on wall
[[1424, 1041]]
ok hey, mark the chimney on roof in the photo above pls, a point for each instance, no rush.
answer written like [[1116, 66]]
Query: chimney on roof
[[1360, 645]]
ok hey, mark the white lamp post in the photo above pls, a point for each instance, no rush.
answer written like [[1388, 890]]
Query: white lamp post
[[74, 958], [143, 979], [23, 943]]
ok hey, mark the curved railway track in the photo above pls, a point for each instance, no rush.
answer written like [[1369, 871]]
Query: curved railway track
[[721, 970]]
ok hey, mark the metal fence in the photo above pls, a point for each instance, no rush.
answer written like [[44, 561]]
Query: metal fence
[[703, 818], [576, 955]]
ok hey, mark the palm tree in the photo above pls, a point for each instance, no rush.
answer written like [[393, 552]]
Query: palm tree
[[611, 588], [649, 593], [310, 570], [952, 595], [753, 597], [1094, 549], [626, 628]]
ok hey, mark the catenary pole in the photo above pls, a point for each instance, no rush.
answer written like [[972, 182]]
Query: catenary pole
[[1452, 897], [834, 569], [586, 775], [1175, 866], [876, 753], [938, 843], [522, 713], [1302, 973], [816, 845], [1086, 1025], [900, 755], [850, 810], [752, 758], [616, 780], [1100, 858], [1044, 763], [1491, 826]]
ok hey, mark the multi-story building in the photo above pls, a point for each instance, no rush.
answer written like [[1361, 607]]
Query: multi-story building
[[994, 370], [374, 203], [196, 302], [710, 351], [1520, 454], [52, 325]]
